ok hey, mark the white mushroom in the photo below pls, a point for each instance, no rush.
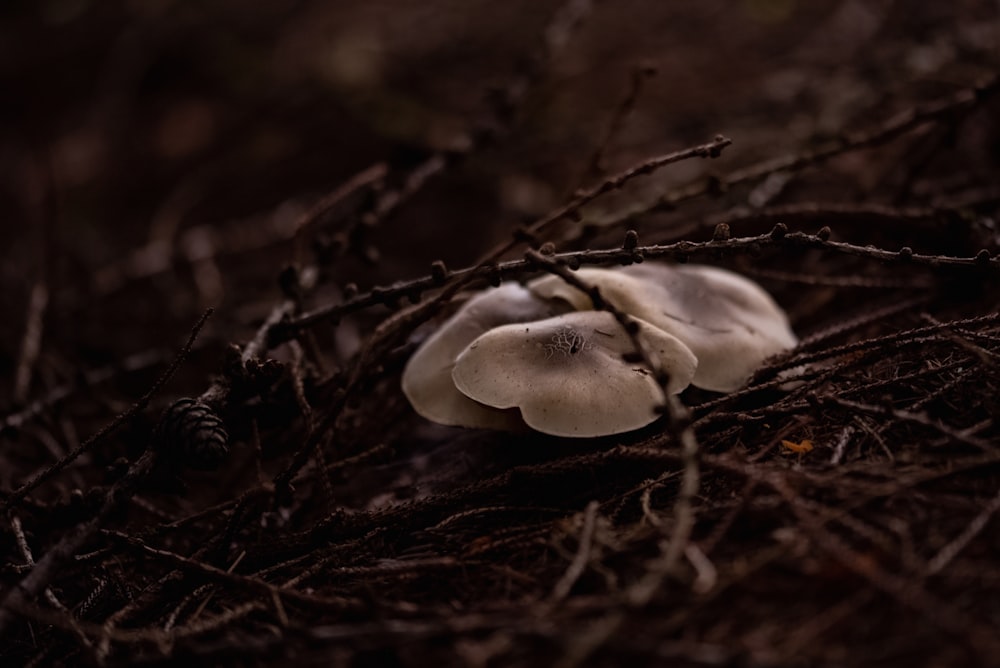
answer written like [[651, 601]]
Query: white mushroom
[[730, 323], [568, 376], [427, 379]]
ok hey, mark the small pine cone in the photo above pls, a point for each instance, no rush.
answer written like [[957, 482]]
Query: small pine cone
[[192, 433], [264, 372]]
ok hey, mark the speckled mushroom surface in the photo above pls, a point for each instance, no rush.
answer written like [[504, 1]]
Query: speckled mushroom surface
[[729, 322], [568, 376]]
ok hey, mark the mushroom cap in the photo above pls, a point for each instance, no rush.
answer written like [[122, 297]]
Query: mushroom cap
[[567, 374], [729, 322], [427, 379]]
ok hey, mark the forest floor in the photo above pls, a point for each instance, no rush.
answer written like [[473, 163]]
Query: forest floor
[[244, 208]]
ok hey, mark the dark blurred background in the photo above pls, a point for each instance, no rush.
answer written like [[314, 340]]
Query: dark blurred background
[[155, 155]]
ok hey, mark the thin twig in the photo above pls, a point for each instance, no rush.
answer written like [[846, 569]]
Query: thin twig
[[63, 551], [31, 342], [948, 553], [595, 165], [228, 577], [41, 575], [22, 543], [988, 268], [679, 427], [910, 119], [579, 563], [108, 429], [908, 416], [131, 364]]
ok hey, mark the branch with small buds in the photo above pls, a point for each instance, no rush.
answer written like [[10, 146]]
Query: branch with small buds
[[959, 103], [983, 264], [681, 432], [678, 417]]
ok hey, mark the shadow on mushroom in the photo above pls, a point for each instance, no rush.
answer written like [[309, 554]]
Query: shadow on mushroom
[[427, 381]]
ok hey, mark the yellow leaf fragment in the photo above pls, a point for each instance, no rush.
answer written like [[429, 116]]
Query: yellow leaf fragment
[[803, 446]]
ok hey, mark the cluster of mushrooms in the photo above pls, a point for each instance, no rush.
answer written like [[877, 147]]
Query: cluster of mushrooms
[[541, 355]]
